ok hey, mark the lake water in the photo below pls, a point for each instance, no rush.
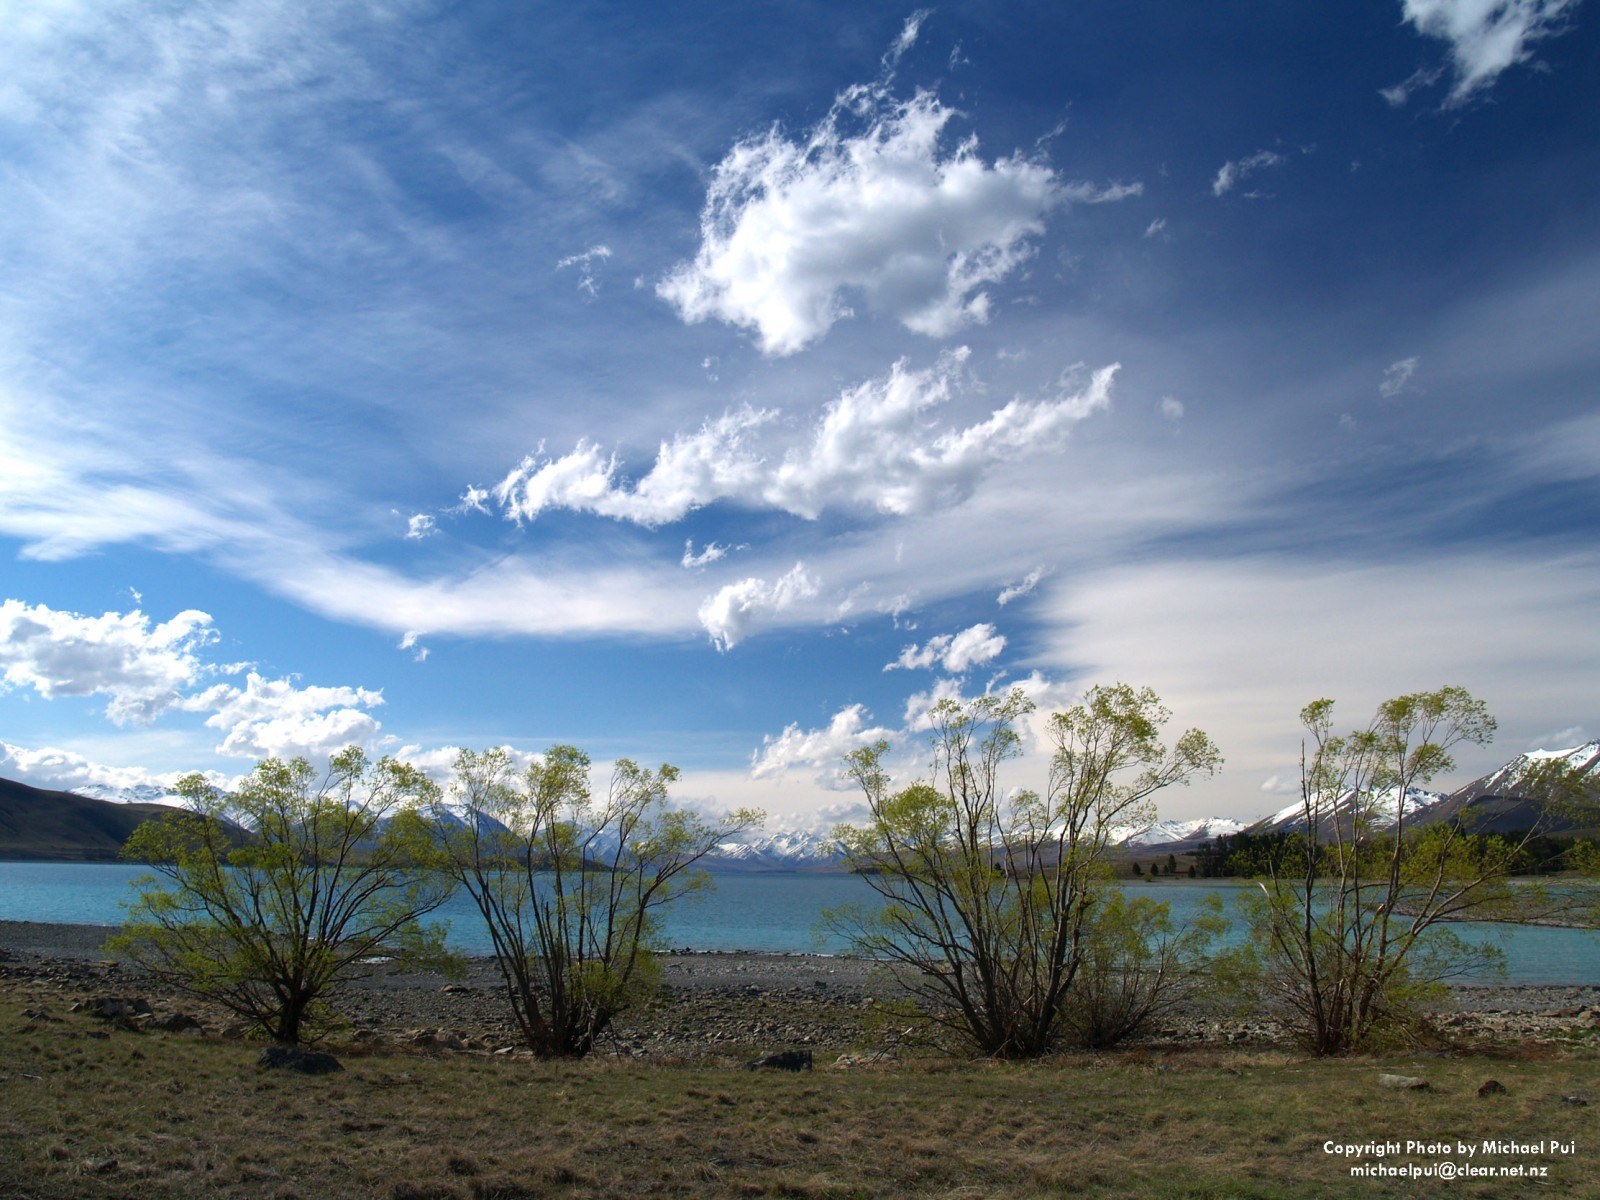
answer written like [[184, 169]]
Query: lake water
[[776, 913]]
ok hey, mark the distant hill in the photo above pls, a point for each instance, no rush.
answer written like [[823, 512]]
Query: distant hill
[[42, 825]]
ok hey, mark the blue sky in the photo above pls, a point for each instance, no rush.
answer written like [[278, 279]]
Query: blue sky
[[721, 383]]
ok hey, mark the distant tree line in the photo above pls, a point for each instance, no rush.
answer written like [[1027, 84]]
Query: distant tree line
[[1246, 855]]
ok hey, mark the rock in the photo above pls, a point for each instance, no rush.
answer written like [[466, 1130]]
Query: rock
[[1576, 1100], [111, 1008], [1403, 1082], [787, 1060], [1492, 1087], [292, 1058], [173, 1023]]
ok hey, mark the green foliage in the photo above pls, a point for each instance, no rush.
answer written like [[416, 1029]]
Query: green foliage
[[1135, 967], [1350, 925], [326, 875], [570, 887], [988, 894]]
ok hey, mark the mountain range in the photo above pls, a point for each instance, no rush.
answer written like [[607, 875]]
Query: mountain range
[[37, 823]]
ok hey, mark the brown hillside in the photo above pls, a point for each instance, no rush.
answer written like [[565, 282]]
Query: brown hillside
[[37, 824]]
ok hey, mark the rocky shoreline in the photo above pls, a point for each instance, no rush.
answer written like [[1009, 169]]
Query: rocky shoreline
[[713, 1005]]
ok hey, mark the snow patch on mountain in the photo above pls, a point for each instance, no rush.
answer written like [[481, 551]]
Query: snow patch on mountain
[[1162, 832]]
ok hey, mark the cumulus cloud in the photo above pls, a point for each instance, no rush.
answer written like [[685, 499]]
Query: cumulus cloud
[[276, 718], [1486, 36], [870, 202], [1397, 377], [955, 653], [420, 526], [1231, 174], [411, 641], [821, 750], [143, 668], [875, 446], [730, 614]]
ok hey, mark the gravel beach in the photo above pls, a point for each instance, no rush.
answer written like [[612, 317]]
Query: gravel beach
[[729, 1005]]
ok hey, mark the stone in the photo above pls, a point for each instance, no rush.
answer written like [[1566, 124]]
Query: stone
[[1492, 1087], [292, 1058], [1403, 1082]]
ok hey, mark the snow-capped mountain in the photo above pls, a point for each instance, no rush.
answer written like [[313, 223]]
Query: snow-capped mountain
[[138, 793], [1163, 833], [1383, 809], [1498, 803], [787, 849], [1584, 759]]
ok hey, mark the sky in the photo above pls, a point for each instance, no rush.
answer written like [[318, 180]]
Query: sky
[[722, 384]]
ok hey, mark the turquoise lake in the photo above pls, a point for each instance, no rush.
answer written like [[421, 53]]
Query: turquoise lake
[[770, 913]]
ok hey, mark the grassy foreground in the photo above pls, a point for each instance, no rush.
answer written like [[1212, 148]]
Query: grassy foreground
[[88, 1110]]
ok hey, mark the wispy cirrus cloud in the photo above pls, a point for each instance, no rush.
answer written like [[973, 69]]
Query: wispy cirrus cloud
[[1397, 377], [1236, 171]]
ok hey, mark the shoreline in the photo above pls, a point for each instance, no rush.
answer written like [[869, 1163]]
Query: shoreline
[[727, 972]]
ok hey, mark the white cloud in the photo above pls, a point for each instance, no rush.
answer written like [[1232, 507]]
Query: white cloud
[[586, 263], [420, 526], [730, 614], [953, 653], [1558, 739], [1397, 95], [410, 641], [712, 552], [789, 226], [275, 718], [874, 447], [819, 750], [1170, 408], [439, 762], [1486, 36], [1231, 174], [143, 668], [66, 770], [1156, 228], [474, 499], [1397, 377], [1015, 591], [1239, 647]]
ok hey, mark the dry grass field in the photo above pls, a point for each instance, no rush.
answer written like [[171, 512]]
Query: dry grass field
[[88, 1109]]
